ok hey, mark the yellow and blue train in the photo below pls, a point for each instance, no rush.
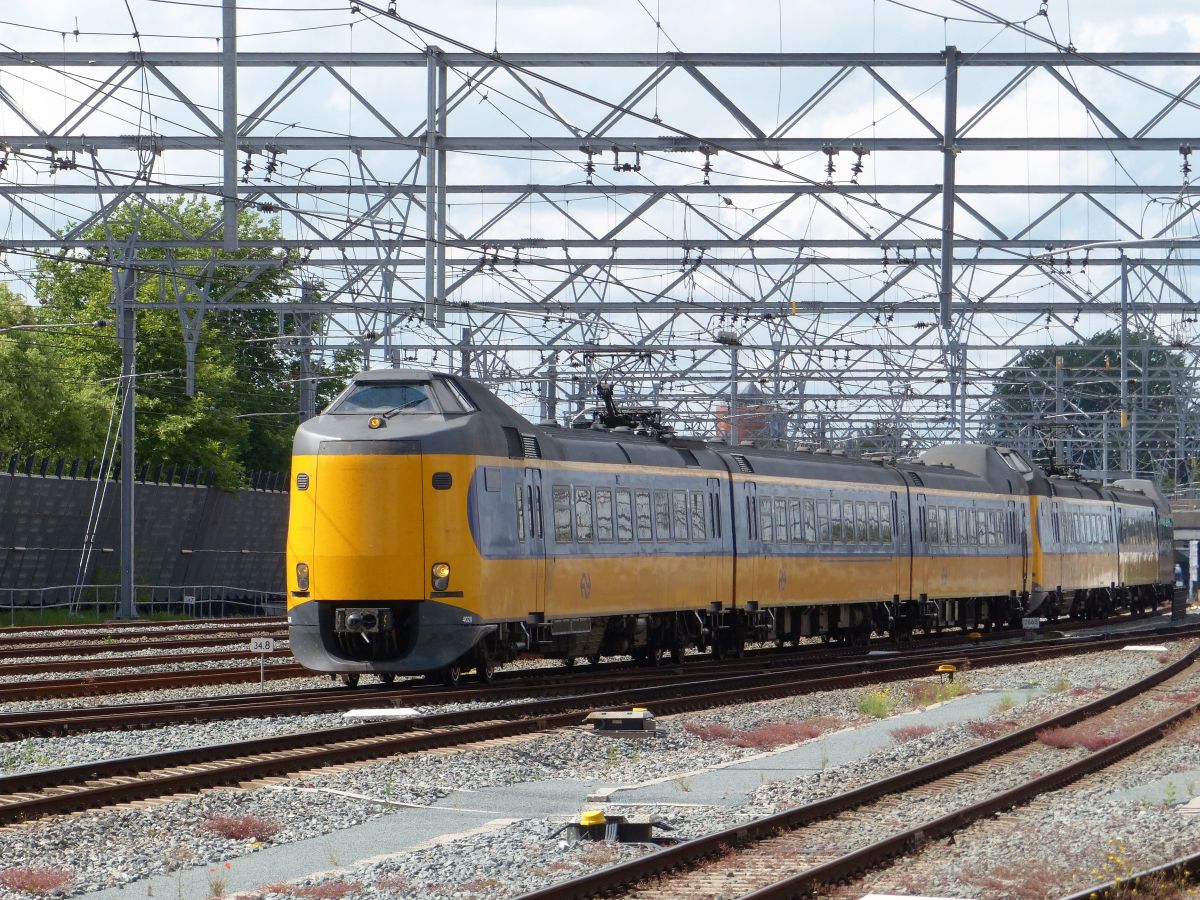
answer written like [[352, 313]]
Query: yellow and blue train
[[435, 530]]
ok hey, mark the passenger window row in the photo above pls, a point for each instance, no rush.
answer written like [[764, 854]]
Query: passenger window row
[[794, 520], [585, 515], [1076, 527], [969, 526], [1138, 527]]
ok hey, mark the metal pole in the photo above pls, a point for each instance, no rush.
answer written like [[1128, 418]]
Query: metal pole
[[733, 390], [956, 360], [431, 120], [308, 385], [465, 368], [552, 390], [229, 203], [1060, 454], [440, 281], [1126, 447], [124, 286], [1104, 451]]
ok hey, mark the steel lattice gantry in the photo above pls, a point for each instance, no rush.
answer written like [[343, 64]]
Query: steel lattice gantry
[[872, 258]]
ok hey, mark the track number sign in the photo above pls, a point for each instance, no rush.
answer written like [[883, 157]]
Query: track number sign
[[1031, 624], [262, 645]]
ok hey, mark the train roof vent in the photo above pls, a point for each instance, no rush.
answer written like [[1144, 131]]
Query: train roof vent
[[916, 479], [529, 444], [742, 463]]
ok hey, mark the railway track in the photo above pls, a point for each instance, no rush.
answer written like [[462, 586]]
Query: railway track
[[20, 647], [527, 683], [49, 791], [145, 625], [797, 852]]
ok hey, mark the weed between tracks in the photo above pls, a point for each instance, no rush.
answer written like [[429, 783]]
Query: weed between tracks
[[241, 828], [35, 881], [911, 732], [762, 737]]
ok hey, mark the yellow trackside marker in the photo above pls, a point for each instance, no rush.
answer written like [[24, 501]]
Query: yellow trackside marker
[[974, 636], [591, 817], [946, 670]]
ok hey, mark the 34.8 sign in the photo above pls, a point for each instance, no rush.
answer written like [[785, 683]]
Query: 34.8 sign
[[262, 645]]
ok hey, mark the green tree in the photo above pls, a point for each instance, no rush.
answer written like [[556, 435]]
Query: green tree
[[1024, 402], [241, 415], [45, 407]]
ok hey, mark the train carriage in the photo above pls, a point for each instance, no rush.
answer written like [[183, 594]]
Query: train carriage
[[435, 530]]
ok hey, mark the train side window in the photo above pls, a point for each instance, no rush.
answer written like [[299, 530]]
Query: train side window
[[520, 513], [797, 522], [860, 521], [535, 509], [823, 521], [714, 510], [645, 517], [931, 524], [835, 522], [885, 522], [679, 506], [585, 526], [624, 515], [766, 526], [698, 534], [561, 495], [873, 522], [604, 515], [952, 520], [662, 516], [944, 524], [810, 522], [781, 525]]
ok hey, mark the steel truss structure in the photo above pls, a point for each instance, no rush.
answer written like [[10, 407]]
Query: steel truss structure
[[536, 220]]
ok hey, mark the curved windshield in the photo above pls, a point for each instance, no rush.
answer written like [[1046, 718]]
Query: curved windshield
[[388, 397]]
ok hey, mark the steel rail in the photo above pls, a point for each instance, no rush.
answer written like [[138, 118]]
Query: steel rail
[[144, 624], [202, 639], [87, 785], [122, 662], [709, 846], [519, 683]]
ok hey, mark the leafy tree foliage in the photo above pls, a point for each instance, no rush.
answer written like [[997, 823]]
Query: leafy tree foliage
[[44, 406], [244, 407], [1024, 399]]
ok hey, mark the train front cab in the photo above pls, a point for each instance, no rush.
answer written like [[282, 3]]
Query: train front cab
[[380, 563]]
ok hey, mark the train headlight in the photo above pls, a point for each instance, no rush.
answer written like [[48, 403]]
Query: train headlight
[[440, 576], [302, 576], [376, 422]]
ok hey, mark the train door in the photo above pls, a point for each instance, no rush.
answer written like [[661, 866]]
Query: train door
[[536, 544], [747, 545], [1018, 535], [721, 544]]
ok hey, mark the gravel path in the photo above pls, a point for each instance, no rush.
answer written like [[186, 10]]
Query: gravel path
[[118, 846]]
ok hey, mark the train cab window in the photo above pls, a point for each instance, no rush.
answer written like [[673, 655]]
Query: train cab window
[[584, 524], [604, 515], [454, 397], [679, 509], [521, 513], [645, 521], [662, 516], [810, 522], [796, 523], [873, 522], [561, 495], [624, 515], [781, 525], [823, 532], [766, 522], [698, 534], [387, 397]]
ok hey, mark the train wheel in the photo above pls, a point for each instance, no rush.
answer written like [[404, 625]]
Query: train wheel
[[569, 662], [594, 659], [350, 679], [452, 675], [485, 668], [387, 677], [677, 654]]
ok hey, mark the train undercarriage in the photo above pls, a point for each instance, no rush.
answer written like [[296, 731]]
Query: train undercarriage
[[409, 638]]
